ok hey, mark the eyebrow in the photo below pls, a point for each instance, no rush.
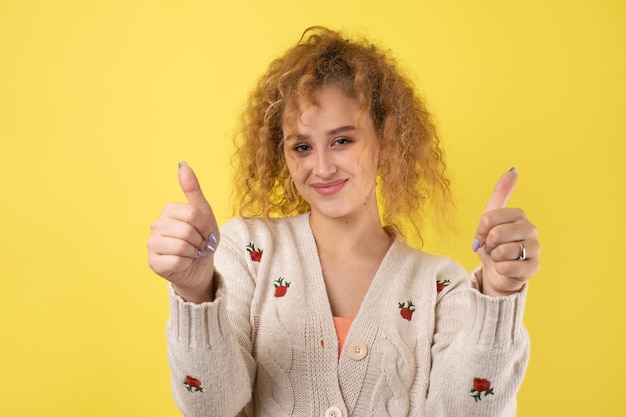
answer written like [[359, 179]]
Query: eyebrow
[[340, 130], [330, 133]]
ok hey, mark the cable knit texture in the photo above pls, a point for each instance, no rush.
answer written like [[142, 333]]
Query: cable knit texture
[[424, 343]]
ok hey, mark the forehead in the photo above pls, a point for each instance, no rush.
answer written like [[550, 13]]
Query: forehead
[[326, 106]]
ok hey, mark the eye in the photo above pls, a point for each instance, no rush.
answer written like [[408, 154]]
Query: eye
[[301, 148], [342, 141]]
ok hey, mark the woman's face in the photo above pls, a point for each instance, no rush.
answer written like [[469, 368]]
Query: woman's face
[[332, 154]]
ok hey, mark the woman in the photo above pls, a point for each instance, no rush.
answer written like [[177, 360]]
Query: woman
[[311, 303]]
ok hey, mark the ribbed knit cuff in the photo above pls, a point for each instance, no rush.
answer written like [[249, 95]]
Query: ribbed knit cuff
[[195, 325], [498, 320]]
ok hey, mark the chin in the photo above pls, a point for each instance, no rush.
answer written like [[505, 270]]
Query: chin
[[333, 212]]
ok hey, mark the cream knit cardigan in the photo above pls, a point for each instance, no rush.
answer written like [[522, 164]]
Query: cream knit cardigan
[[267, 351]]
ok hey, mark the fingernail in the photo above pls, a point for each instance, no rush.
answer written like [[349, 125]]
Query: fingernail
[[475, 244], [182, 164], [515, 170], [209, 248], [202, 253], [487, 251], [212, 238]]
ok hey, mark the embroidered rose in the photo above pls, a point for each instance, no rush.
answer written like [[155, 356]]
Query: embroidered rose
[[280, 287], [406, 310], [255, 253], [193, 384], [481, 386], [442, 284]]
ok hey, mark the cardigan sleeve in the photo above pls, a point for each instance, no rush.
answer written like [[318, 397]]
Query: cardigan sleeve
[[479, 354], [209, 344]]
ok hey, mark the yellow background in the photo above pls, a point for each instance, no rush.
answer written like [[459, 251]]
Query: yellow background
[[99, 100]]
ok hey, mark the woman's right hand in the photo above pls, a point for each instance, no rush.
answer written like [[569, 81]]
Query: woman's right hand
[[183, 240]]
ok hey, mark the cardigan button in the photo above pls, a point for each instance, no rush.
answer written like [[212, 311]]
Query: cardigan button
[[357, 350], [333, 412]]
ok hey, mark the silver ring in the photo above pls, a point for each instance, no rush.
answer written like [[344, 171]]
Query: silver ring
[[522, 251]]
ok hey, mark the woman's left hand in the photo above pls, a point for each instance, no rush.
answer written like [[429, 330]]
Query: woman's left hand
[[506, 242]]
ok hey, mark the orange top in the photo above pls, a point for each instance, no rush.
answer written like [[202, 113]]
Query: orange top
[[342, 327]]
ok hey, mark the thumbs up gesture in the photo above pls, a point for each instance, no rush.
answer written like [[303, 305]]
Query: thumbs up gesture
[[506, 242], [183, 240]]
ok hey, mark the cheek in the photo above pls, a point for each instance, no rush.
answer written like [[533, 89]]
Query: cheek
[[368, 165], [292, 166]]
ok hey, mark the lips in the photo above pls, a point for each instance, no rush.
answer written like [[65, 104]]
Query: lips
[[329, 188]]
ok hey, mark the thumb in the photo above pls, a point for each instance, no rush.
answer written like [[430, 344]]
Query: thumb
[[501, 193], [190, 186], [503, 190]]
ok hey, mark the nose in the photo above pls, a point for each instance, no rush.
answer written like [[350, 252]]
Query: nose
[[325, 166]]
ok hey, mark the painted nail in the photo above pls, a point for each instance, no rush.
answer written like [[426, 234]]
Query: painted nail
[[202, 254], [209, 248], [182, 164], [212, 238], [515, 170], [475, 244], [487, 251]]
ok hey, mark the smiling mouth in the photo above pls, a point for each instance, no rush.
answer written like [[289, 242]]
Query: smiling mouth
[[329, 188]]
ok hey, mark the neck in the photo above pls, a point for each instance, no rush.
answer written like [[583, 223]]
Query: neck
[[362, 234]]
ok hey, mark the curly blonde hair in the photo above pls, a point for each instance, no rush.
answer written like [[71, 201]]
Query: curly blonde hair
[[411, 174]]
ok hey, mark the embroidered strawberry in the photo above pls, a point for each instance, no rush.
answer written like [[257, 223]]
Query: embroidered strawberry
[[193, 384], [255, 254], [442, 284], [280, 287], [480, 386], [406, 312]]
